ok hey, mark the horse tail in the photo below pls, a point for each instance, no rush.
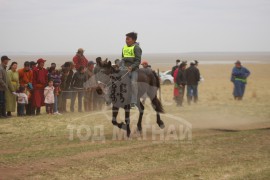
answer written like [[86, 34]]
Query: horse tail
[[156, 103], [157, 80]]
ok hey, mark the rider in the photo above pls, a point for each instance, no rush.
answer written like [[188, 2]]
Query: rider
[[131, 59]]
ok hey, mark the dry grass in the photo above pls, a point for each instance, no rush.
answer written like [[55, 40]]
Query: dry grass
[[230, 139]]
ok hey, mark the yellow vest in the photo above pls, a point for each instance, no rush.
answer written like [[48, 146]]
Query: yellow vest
[[128, 51]]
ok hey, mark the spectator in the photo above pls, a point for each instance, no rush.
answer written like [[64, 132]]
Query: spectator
[[117, 62], [192, 77], [116, 65], [79, 59], [22, 100], [196, 63], [175, 67], [145, 64], [66, 77], [98, 64], [77, 86], [51, 68], [33, 65], [181, 83], [25, 79], [98, 98], [3, 86], [90, 86], [49, 97], [40, 79], [13, 77], [175, 89], [239, 78], [55, 76]]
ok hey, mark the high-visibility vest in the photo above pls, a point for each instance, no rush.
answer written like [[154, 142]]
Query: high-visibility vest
[[241, 79], [128, 51]]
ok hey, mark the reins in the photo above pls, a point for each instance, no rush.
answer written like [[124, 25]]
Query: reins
[[117, 81]]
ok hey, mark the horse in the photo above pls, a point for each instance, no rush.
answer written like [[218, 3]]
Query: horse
[[149, 83]]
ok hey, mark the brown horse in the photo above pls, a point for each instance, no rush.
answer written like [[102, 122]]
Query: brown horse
[[148, 83]]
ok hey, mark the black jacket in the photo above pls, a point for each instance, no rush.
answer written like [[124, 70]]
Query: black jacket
[[192, 75], [181, 77], [66, 80], [78, 80]]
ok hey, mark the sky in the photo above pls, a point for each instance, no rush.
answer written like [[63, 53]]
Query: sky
[[163, 26]]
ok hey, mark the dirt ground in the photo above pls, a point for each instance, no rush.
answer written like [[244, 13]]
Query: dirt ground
[[217, 138]]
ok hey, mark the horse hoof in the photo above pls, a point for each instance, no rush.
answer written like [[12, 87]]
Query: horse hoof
[[128, 132], [122, 126], [161, 125], [114, 123], [139, 130]]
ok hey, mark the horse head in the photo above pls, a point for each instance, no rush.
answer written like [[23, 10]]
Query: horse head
[[103, 78]]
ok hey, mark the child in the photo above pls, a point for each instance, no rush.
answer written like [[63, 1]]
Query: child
[[22, 100], [49, 97], [55, 76]]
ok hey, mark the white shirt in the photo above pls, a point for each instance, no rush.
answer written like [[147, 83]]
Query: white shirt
[[49, 95], [22, 98]]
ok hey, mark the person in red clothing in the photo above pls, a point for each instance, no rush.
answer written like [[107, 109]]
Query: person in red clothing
[[175, 89], [25, 79], [40, 80], [79, 59]]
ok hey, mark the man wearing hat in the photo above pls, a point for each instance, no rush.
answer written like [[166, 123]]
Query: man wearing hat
[[40, 80], [79, 59], [193, 78], [239, 79], [25, 80], [3, 85]]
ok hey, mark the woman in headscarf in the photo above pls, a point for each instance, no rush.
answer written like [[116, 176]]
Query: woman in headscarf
[[13, 77]]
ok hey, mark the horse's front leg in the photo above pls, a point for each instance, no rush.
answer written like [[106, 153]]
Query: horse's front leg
[[115, 111], [127, 119]]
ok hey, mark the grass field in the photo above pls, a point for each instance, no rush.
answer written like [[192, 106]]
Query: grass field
[[229, 139]]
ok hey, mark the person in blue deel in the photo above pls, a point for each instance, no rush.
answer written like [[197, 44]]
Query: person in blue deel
[[239, 79]]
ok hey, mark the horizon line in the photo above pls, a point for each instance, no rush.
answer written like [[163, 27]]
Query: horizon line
[[111, 53]]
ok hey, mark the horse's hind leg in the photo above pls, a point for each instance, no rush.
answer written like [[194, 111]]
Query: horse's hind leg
[[141, 109], [115, 111], [159, 121], [158, 108]]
